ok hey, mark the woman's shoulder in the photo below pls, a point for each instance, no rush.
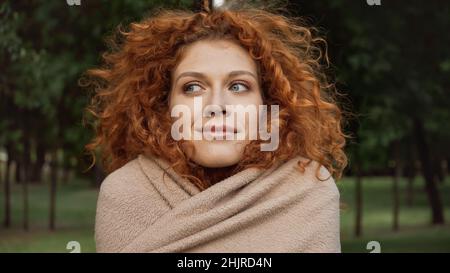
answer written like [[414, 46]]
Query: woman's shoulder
[[126, 196], [315, 176], [122, 178], [129, 182]]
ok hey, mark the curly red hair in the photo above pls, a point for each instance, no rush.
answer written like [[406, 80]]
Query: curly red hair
[[130, 105]]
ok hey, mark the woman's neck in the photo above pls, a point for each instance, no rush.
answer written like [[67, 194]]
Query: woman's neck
[[214, 175]]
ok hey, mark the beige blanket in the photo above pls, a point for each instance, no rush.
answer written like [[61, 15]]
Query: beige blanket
[[274, 210]]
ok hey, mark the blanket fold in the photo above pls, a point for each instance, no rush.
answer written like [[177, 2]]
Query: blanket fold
[[275, 210]]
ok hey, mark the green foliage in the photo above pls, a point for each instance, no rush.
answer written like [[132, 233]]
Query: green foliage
[[45, 48], [392, 60]]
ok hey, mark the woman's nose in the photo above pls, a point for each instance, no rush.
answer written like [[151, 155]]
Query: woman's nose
[[211, 110], [213, 113], [216, 103]]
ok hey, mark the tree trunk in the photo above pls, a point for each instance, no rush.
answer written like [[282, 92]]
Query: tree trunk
[[410, 189], [18, 172], [26, 173], [53, 184], [37, 166], [358, 202], [439, 170], [7, 189], [24, 183], [433, 195], [395, 191]]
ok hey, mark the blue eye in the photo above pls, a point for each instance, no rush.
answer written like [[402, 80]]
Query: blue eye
[[237, 90], [189, 88], [194, 88]]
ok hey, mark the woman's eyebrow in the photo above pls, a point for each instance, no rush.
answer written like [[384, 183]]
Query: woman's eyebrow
[[203, 76]]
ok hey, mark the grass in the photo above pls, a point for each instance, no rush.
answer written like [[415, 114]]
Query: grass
[[415, 234], [76, 204], [75, 215]]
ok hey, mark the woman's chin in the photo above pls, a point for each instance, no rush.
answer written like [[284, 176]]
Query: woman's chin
[[218, 153]]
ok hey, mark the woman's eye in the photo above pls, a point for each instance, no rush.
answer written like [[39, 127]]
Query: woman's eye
[[192, 88], [235, 87]]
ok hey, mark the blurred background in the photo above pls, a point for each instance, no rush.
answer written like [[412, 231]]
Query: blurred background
[[391, 62]]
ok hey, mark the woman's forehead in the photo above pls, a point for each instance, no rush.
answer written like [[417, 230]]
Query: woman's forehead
[[215, 57]]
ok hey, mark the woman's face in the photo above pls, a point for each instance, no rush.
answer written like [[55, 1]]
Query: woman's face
[[220, 73]]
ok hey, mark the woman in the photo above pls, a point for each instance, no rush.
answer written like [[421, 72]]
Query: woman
[[177, 74]]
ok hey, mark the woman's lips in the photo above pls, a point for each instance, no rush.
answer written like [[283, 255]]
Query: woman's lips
[[220, 131], [223, 129]]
